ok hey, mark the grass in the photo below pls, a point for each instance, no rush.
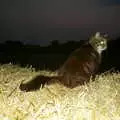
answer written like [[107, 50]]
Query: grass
[[98, 100]]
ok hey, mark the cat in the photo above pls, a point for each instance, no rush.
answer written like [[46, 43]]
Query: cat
[[83, 63]]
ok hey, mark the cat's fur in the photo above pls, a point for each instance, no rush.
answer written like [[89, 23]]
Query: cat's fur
[[78, 68]]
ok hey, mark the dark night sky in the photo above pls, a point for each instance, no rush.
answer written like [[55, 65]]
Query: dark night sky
[[39, 21]]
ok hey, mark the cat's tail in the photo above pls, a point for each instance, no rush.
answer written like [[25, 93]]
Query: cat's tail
[[37, 82]]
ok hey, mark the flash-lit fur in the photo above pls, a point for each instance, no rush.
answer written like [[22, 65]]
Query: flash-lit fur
[[78, 68]]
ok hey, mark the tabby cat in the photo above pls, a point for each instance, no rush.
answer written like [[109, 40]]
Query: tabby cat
[[83, 63]]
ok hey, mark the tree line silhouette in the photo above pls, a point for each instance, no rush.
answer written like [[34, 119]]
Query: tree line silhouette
[[53, 55]]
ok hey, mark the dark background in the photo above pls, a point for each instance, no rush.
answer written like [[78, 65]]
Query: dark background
[[40, 21], [43, 33]]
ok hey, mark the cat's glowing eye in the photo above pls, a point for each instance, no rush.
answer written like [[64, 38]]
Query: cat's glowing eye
[[102, 42]]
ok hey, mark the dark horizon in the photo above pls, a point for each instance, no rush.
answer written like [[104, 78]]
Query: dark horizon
[[39, 22]]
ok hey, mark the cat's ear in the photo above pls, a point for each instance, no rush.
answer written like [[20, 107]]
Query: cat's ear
[[106, 36], [97, 35]]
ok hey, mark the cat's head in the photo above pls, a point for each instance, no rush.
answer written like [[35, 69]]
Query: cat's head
[[99, 42]]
